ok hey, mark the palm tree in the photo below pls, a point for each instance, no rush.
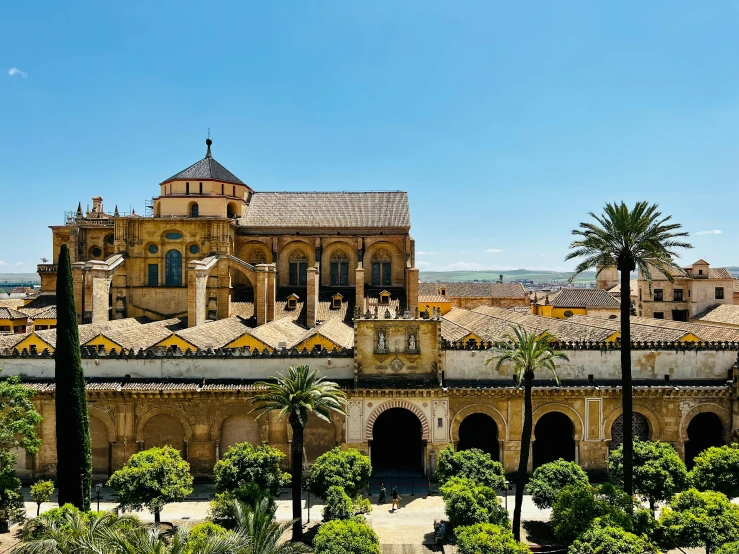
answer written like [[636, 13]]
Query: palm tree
[[527, 353], [296, 396], [628, 239], [261, 533]]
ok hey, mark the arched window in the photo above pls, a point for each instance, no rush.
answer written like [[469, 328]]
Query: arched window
[[255, 255], [194, 210], [173, 269], [298, 261], [339, 268], [381, 268]]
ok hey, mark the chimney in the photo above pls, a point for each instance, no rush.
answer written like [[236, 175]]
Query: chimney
[[311, 300], [97, 204], [500, 279]]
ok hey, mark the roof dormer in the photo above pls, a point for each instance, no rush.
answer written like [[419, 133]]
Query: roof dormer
[[336, 301], [384, 298], [292, 302]]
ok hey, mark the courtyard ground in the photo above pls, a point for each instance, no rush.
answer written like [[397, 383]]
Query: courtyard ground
[[405, 531]]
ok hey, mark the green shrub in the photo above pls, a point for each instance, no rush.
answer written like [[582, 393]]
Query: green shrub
[[577, 506], [701, 519], [487, 538], [362, 505], [717, 469], [338, 505], [41, 491], [152, 478], [200, 534], [729, 548], [250, 472], [348, 469], [473, 464], [606, 538], [468, 503], [659, 473], [346, 537], [549, 479]]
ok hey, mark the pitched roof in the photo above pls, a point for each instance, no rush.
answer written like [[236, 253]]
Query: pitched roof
[[215, 334], [207, 169], [726, 314], [45, 313], [736, 285], [719, 273], [143, 336], [581, 298], [472, 289], [277, 331], [328, 210], [433, 298], [10, 313], [89, 331], [334, 330], [633, 289]]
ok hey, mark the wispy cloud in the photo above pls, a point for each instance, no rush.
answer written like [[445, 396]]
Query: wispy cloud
[[18, 264], [494, 250], [2, 263], [713, 232], [14, 264], [421, 264], [425, 253], [13, 71]]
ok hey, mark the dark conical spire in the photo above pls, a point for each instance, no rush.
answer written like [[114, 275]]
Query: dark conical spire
[[208, 142], [79, 209], [115, 213]]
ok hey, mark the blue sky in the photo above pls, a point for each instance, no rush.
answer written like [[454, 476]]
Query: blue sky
[[505, 122]]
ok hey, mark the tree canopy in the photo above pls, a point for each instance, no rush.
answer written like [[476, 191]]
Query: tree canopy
[[152, 478], [603, 537], [659, 473], [473, 464], [349, 469], [487, 538], [549, 479], [701, 519], [351, 536], [717, 469], [250, 472], [468, 503]]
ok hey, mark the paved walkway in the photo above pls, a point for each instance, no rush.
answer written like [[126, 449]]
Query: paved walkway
[[405, 531]]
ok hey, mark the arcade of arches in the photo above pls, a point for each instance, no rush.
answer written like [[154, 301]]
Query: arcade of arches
[[405, 431]]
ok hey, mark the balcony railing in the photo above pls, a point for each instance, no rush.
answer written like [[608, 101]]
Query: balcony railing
[[46, 268]]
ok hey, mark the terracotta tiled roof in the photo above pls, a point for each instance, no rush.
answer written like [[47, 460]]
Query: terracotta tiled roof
[[727, 314], [9, 341], [10, 313], [633, 286], [700, 330], [736, 285], [435, 298], [14, 303], [244, 310], [453, 331], [334, 330], [45, 313], [214, 334], [41, 301], [581, 298], [143, 336], [366, 210], [279, 331], [471, 289], [91, 330], [719, 273]]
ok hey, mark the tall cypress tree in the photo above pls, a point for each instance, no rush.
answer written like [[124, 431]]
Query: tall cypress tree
[[74, 459]]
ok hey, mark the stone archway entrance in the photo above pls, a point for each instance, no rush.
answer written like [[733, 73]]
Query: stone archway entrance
[[554, 436], [397, 440], [704, 430], [479, 431]]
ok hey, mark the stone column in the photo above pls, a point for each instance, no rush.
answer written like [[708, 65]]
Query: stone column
[[411, 289], [100, 295], [197, 297], [78, 277], [271, 291], [359, 287], [260, 293], [311, 300]]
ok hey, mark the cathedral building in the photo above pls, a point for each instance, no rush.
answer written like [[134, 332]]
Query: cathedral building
[[185, 309]]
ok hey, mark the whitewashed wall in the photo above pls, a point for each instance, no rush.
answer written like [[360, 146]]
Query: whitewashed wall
[[182, 368], [646, 364]]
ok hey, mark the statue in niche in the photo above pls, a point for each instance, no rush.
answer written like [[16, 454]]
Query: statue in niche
[[412, 342], [381, 341]]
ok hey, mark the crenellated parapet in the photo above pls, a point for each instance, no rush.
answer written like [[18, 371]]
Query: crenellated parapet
[[604, 345]]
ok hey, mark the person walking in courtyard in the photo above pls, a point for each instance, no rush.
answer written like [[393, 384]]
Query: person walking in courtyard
[[396, 499], [382, 493]]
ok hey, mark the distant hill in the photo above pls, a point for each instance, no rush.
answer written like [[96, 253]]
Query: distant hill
[[508, 276]]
